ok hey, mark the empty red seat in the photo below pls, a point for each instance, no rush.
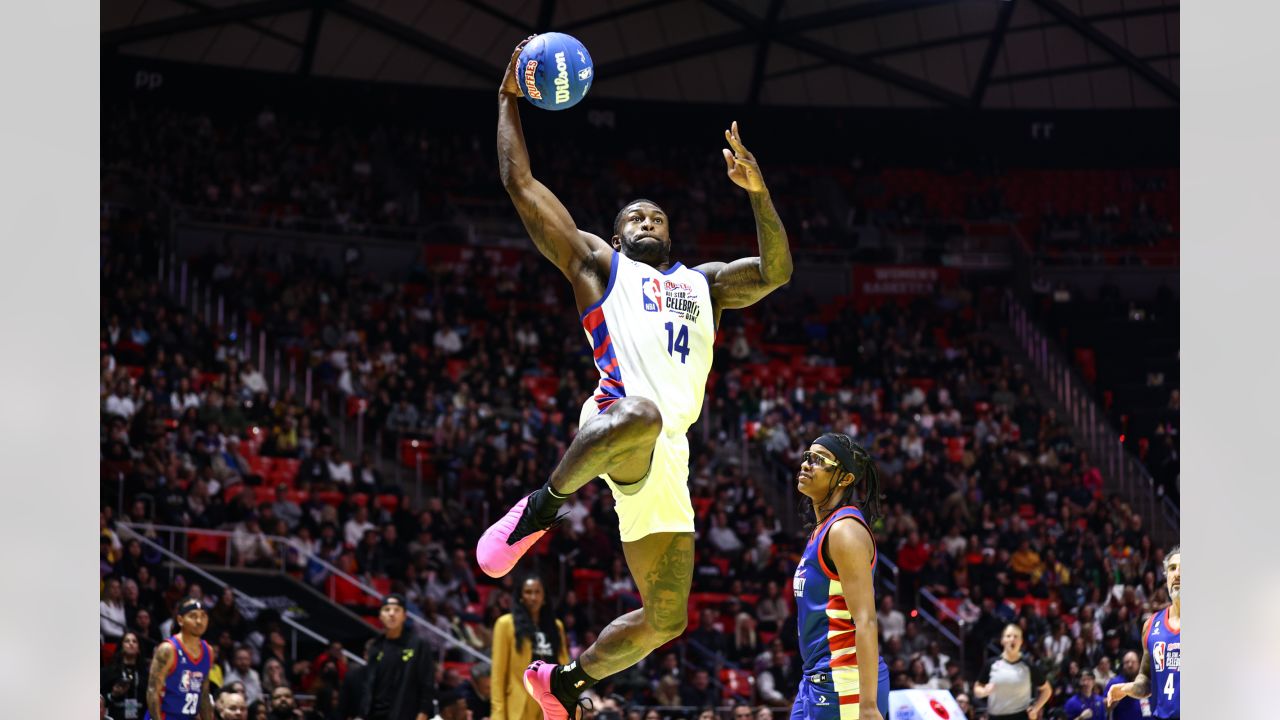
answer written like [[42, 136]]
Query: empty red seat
[[202, 547]]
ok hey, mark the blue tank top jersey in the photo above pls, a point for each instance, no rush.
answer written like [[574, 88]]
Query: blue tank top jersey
[[181, 698], [1165, 647], [827, 632]]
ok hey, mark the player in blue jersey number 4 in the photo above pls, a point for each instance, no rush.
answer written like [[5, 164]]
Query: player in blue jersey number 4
[[1159, 676], [651, 324], [844, 677]]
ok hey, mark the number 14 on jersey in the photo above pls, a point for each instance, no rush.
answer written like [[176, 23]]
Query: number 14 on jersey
[[678, 341]]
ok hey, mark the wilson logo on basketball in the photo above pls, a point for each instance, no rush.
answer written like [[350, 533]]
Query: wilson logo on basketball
[[562, 79], [530, 83]]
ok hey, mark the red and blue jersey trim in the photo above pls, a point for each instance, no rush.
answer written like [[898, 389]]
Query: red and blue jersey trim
[[611, 388]]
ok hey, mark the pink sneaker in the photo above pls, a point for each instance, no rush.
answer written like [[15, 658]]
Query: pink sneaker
[[507, 540], [537, 682]]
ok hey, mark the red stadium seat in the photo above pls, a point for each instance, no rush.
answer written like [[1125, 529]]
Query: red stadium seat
[[588, 583], [205, 548]]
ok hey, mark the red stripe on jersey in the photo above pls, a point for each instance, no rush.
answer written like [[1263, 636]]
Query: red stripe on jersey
[[610, 382], [593, 320], [599, 352], [843, 641], [613, 365], [853, 699], [845, 661], [837, 602]]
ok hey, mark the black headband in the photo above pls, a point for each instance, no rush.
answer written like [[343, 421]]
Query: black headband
[[189, 605], [837, 448]]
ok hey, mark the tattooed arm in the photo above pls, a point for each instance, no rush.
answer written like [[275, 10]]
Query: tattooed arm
[[582, 257], [206, 702], [161, 663], [1141, 685], [746, 281]]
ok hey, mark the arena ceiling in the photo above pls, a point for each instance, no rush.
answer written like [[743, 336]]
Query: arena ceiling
[[1063, 54]]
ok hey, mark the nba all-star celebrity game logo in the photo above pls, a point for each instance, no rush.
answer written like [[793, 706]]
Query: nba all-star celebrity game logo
[[674, 297]]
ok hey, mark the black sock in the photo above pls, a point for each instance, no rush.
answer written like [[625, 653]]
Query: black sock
[[570, 680], [546, 503]]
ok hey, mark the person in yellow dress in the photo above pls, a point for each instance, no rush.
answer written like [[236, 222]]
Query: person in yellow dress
[[529, 632]]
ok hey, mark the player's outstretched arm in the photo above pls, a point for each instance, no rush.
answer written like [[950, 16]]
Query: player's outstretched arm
[[160, 663], [544, 216], [746, 281]]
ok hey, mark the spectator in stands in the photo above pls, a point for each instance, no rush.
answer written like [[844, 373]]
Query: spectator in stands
[[453, 706], [1087, 703], [242, 671], [776, 684], [700, 690], [478, 691], [283, 705], [356, 528], [285, 508], [273, 677], [111, 611], [401, 682], [128, 665], [893, 623], [772, 609], [252, 548], [530, 631], [711, 643], [121, 702], [230, 706], [148, 634], [722, 537], [225, 615]]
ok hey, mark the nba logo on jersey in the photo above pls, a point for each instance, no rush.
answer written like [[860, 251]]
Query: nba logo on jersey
[[652, 294], [191, 680], [1157, 656]]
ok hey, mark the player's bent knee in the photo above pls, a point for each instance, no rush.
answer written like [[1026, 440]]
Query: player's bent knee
[[641, 419]]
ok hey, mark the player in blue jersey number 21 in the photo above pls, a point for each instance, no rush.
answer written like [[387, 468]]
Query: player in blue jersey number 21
[[1160, 676]]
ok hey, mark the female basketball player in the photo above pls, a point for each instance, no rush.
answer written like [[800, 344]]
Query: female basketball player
[[835, 597]]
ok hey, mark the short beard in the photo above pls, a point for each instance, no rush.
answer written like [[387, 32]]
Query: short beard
[[631, 248]]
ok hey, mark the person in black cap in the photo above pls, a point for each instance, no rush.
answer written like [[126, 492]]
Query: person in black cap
[[400, 684]]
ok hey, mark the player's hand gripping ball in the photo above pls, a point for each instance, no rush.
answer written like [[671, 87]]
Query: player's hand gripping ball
[[554, 71]]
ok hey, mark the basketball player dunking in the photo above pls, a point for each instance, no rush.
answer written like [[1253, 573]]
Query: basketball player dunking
[[1160, 674], [179, 684], [651, 324]]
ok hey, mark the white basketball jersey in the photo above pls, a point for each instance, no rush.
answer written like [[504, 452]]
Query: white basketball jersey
[[653, 335]]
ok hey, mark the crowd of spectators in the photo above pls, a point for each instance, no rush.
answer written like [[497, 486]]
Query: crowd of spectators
[[991, 507]]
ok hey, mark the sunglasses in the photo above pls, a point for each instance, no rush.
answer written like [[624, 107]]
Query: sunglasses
[[816, 460]]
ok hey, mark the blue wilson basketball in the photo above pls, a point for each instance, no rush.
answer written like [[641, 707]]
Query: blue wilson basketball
[[555, 71]]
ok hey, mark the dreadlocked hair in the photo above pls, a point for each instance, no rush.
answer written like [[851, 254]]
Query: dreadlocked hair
[[526, 627], [865, 475]]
